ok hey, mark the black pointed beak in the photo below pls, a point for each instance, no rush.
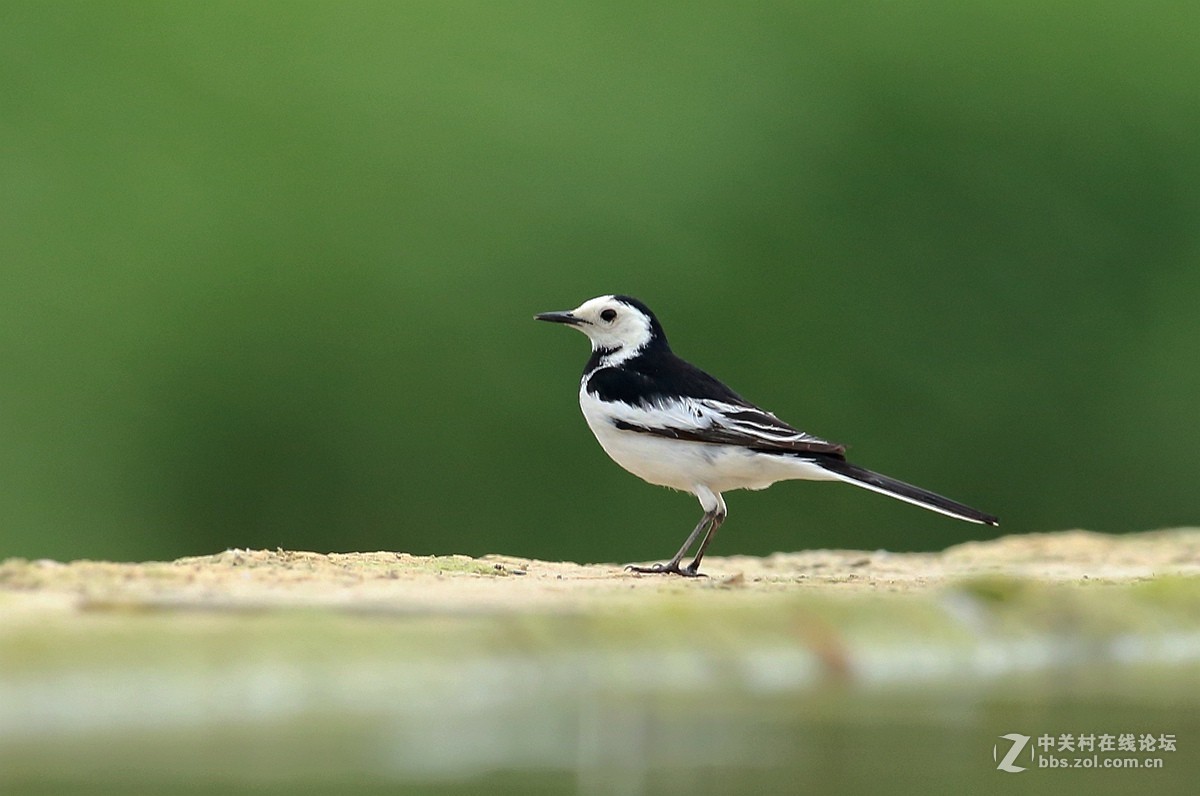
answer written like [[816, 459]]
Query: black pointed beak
[[559, 317]]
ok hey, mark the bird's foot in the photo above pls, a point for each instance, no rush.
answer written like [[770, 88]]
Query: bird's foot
[[672, 568]]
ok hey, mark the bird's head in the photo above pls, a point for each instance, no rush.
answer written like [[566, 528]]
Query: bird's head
[[618, 326]]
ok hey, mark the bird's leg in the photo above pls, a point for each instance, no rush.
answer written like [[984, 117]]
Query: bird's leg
[[718, 517], [672, 566]]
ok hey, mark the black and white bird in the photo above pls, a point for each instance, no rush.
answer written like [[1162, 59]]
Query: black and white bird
[[670, 423]]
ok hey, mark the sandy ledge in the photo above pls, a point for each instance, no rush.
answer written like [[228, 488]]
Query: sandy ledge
[[403, 582]]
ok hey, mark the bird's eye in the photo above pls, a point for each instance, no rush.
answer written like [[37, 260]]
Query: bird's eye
[[608, 315]]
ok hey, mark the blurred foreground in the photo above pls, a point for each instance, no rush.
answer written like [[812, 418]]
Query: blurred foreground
[[298, 672]]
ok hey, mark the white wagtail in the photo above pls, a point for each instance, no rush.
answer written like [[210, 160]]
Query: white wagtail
[[670, 423]]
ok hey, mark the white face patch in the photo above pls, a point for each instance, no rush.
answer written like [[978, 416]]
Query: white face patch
[[613, 326]]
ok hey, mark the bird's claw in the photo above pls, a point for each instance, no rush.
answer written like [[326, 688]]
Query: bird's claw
[[689, 571]]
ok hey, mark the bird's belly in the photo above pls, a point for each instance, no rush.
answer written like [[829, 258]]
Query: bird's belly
[[684, 465]]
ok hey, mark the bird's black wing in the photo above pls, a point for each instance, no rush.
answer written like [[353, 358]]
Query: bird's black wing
[[677, 400], [718, 423]]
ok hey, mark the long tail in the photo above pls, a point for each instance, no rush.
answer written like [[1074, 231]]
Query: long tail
[[860, 476]]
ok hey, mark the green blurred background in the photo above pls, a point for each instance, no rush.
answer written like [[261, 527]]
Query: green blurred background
[[269, 268]]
